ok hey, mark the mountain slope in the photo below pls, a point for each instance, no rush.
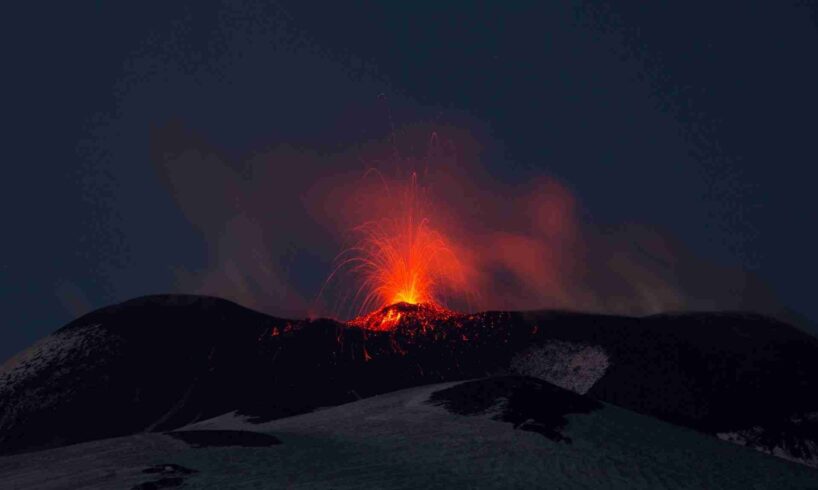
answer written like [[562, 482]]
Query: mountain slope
[[161, 362], [147, 364], [500, 432]]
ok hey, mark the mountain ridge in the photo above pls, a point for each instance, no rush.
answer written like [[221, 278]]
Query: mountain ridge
[[165, 361]]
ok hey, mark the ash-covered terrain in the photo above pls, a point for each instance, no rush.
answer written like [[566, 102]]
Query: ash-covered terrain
[[580, 400]]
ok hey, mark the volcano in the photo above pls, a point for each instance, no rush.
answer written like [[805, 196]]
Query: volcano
[[406, 317], [627, 396]]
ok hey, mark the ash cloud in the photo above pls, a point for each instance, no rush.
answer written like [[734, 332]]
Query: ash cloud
[[273, 222], [250, 217]]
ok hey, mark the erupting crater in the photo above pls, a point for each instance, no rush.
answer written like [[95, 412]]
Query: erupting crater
[[422, 317], [404, 267]]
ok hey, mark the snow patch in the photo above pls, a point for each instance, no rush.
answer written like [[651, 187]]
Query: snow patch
[[23, 385], [54, 349], [807, 449], [573, 366]]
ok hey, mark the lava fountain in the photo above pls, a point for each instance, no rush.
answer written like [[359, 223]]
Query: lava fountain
[[400, 257]]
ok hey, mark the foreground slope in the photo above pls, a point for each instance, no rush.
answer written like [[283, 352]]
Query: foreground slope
[[161, 362], [500, 432], [147, 364]]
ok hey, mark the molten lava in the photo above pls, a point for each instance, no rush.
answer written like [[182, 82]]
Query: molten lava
[[420, 318], [400, 257]]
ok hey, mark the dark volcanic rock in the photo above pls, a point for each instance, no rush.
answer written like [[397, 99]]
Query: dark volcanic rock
[[160, 362], [172, 476], [211, 438], [169, 482], [527, 403]]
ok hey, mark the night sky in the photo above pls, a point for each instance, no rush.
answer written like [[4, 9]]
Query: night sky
[[695, 121]]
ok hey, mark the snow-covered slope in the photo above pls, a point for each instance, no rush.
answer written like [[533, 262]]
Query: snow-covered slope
[[505, 432], [161, 362]]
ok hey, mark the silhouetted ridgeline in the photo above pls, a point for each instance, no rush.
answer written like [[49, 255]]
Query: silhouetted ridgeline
[[159, 362]]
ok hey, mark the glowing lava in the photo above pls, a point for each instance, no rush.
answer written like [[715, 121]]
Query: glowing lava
[[419, 318], [399, 257]]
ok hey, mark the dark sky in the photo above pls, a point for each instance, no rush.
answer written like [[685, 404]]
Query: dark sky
[[694, 118]]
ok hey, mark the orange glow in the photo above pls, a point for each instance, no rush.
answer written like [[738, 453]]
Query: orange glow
[[400, 257], [419, 318]]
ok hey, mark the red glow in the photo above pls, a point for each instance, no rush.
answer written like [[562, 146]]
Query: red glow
[[400, 257], [420, 317]]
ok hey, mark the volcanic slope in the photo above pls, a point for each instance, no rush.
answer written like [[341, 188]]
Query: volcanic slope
[[497, 432], [158, 363]]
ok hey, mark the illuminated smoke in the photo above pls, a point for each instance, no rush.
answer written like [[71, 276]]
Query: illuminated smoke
[[457, 236], [399, 255]]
